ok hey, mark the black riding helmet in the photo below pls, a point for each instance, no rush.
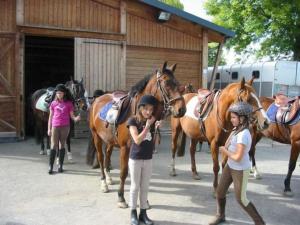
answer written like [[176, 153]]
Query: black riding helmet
[[147, 100], [61, 87]]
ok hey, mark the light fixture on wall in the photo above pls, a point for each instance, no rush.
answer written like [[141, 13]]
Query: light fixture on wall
[[163, 16]]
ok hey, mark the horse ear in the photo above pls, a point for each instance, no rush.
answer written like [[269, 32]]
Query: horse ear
[[243, 83], [173, 67], [81, 81], [250, 82], [165, 66], [71, 79]]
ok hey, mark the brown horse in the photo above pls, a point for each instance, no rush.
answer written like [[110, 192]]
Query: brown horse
[[216, 126], [287, 134], [78, 93], [164, 86]]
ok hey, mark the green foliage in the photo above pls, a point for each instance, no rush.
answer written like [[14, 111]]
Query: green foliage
[[273, 24], [212, 54], [175, 3]]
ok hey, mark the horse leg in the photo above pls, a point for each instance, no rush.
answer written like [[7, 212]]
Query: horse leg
[[216, 167], [109, 149], [98, 145], [43, 131], [176, 131], [292, 164], [69, 153], [254, 171], [193, 145], [124, 157]]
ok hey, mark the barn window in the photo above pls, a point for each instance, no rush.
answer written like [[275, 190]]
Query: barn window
[[234, 75], [255, 74], [218, 76]]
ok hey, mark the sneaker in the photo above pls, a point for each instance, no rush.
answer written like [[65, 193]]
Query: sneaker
[[70, 158], [48, 151], [42, 152]]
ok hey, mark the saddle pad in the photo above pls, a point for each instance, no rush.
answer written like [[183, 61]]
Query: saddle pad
[[271, 113], [191, 108], [104, 110], [41, 104]]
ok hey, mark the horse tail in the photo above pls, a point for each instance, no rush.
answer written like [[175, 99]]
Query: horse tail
[[181, 144], [91, 150]]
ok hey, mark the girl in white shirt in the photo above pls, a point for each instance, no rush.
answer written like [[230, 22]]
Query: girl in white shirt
[[238, 165]]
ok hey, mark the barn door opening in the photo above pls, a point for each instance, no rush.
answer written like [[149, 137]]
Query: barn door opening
[[48, 61]]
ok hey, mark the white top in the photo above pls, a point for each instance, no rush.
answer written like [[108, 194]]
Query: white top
[[243, 137]]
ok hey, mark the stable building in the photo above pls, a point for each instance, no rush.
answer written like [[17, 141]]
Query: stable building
[[111, 44]]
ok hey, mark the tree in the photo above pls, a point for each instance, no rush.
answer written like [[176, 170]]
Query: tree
[[273, 24], [212, 55], [175, 3]]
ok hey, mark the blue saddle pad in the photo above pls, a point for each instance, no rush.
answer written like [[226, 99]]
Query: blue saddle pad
[[271, 113], [104, 110]]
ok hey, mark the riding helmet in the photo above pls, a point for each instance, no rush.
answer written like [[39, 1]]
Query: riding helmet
[[241, 108], [147, 100], [60, 87]]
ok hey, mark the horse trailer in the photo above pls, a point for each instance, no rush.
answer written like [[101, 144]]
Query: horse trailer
[[271, 77]]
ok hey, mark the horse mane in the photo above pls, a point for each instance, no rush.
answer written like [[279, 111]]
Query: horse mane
[[140, 85]]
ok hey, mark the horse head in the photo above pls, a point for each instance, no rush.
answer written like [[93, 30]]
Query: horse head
[[168, 91], [244, 91], [78, 92]]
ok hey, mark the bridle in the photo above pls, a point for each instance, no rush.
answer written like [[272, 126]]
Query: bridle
[[77, 92], [167, 101]]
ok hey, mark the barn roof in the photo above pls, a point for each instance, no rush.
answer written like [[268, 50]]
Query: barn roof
[[190, 17]]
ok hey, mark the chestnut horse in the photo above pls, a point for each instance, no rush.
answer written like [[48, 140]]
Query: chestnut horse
[[216, 126], [286, 134], [41, 118], [164, 86]]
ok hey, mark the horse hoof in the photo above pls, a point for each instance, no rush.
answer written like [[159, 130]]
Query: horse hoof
[[42, 152], [104, 187], [196, 177], [109, 181], [122, 205], [48, 151], [173, 173], [288, 194], [257, 176]]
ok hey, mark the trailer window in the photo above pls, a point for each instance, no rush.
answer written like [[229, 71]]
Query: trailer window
[[234, 75], [255, 74], [218, 76]]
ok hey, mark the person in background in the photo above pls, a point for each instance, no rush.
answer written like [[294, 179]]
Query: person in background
[[141, 128], [61, 110], [238, 165]]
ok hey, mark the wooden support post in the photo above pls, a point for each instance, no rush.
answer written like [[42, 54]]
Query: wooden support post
[[214, 72], [204, 63]]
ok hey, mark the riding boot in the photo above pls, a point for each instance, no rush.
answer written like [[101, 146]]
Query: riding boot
[[51, 160], [251, 210], [220, 217], [61, 159], [134, 219], [144, 218]]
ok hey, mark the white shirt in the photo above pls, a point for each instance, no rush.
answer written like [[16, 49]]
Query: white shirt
[[243, 137]]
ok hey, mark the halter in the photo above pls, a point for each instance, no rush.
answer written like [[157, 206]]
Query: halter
[[75, 93], [166, 99]]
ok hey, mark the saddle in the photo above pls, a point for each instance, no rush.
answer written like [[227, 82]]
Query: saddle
[[120, 107], [49, 95], [205, 98], [287, 108]]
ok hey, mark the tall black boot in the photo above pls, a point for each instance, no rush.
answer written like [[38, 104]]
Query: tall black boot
[[144, 218], [61, 160], [220, 217], [51, 160], [133, 218]]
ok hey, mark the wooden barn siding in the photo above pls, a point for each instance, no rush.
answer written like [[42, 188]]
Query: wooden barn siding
[[7, 16], [141, 61], [100, 63], [86, 15], [144, 32]]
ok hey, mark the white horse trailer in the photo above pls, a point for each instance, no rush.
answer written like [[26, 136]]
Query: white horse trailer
[[271, 77]]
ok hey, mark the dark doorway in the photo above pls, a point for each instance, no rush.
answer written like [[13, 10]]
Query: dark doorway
[[48, 61]]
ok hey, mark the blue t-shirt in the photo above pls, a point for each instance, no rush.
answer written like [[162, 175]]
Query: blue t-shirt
[[145, 149]]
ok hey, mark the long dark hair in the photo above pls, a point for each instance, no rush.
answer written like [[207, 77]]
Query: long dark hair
[[244, 123]]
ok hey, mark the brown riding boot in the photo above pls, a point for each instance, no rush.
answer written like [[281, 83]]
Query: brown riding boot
[[251, 210], [220, 217]]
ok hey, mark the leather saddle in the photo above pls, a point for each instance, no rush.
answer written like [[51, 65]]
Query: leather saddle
[[205, 98], [120, 106], [287, 108]]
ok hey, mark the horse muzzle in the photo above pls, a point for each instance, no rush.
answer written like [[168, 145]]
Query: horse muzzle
[[179, 113]]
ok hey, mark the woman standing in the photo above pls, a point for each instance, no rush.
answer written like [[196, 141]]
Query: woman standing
[[61, 110], [238, 165], [141, 128]]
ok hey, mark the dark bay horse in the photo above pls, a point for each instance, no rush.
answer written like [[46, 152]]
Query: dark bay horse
[[286, 134], [164, 86], [41, 117], [216, 126]]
